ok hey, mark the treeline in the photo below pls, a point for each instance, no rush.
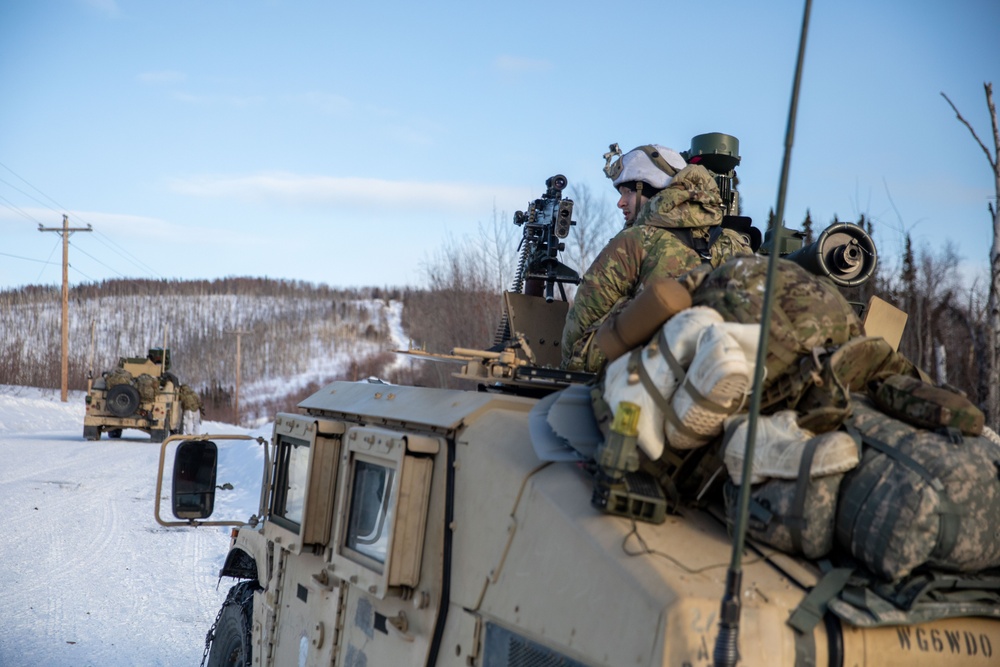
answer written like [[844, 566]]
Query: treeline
[[302, 334], [947, 331]]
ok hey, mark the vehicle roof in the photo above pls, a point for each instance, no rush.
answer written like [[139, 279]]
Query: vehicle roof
[[418, 408]]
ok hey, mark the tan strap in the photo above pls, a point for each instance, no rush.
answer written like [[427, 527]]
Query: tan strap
[[636, 366], [703, 401], [661, 162], [675, 366]]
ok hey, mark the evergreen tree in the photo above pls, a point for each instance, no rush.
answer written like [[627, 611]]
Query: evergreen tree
[[807, 228]]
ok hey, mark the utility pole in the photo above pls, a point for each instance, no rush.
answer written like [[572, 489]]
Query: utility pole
[[239, 336], [65, 231]]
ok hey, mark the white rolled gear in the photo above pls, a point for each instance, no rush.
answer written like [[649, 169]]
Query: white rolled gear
[[696, 353], [780, 443]]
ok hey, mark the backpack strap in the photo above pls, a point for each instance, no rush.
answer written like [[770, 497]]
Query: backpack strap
[[700, 245], [814, 605], [797, 521], [664, 347], [636, 366]]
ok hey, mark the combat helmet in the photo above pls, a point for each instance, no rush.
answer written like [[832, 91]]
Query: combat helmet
[[650, 165]]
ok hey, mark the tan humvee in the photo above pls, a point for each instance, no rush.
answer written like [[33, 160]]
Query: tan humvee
[[140, 393], [414, 526], [408, 526]]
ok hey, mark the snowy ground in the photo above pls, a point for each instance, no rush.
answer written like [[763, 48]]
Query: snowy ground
[[89, 577]]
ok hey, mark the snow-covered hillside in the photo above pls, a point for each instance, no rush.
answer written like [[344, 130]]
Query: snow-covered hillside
[[293, 337], [89, 577]]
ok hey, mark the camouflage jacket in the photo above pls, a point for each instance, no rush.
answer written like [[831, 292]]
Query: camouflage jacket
[[646, 251]]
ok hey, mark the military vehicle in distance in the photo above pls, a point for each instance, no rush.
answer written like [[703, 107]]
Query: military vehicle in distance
[[140, 393]]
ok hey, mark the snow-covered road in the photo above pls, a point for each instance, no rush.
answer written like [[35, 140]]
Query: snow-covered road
[[87, 576]]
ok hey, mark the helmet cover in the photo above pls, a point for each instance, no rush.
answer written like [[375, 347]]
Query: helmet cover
[[652, 164]]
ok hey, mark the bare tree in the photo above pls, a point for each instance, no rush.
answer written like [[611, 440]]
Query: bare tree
[[498, 248], [596, 223], [990, 367]]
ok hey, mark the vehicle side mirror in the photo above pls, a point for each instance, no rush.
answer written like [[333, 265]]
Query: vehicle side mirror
[[195, 464]]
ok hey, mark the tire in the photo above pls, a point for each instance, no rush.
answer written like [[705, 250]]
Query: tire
[[230, 637], [157, 435], [92, 433], [122, 400], [115, 433]]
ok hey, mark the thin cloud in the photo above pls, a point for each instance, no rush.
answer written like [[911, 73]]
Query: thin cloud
[[413, 132], [119, 226], [333, 191], [409, 135], [327, 102]]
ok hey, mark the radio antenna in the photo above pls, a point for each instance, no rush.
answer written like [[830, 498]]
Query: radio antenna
[[726, 652]]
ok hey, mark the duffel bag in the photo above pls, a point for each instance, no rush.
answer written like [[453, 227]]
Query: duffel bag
[[919, 497]]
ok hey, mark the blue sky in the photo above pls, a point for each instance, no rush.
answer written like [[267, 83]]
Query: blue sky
[[343, 142]]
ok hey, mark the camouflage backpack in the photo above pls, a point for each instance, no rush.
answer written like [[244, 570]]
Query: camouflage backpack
[[807, 313], [117, 376], [820, 386], [147, 385], [796, 516], [190, 400], [919, 497], [922, 404]]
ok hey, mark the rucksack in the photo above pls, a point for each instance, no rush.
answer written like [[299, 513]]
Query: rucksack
[[927, 406], [807, 312], [919, 497]]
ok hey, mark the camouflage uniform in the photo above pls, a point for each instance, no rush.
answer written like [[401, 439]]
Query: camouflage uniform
[[646, 251]]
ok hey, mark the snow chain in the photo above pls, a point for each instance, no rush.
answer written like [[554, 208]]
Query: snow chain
[[210, 637], [211, 632]]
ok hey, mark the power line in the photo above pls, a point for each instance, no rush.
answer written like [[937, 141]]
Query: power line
[[95, 259], [27, 259], [82, 273], [129, 256], [12, 206], [33, 188], [117, 249], [39, 278], [28, 195]]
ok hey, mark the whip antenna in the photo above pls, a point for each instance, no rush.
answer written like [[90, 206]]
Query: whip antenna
[[726, 653]]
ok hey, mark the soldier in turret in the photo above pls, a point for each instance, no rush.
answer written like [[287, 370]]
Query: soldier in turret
[[673, 213]]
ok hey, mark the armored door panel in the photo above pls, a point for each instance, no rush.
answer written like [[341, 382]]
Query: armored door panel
[[307, 614]]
